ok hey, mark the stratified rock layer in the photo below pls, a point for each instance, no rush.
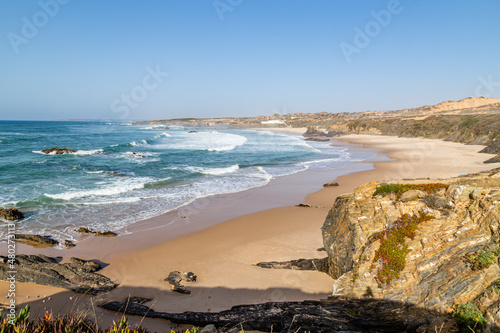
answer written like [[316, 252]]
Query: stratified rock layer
[[465, 219], [77, 275], [327, 316]]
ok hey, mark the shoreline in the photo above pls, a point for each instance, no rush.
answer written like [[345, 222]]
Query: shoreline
[[208, 211], [223, 254]]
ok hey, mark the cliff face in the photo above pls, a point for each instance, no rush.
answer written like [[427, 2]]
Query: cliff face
[[448, 249]]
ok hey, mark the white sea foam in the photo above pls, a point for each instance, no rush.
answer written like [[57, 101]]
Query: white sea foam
[[211, 141], [324, 160], [118, 187], [88, 152], [99, 171], [214, 171], [263, 174], [113, 202]]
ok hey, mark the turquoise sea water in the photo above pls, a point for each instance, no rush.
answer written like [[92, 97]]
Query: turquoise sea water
[[105, 186]]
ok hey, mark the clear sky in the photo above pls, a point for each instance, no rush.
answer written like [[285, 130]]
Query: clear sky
[[160, 59]]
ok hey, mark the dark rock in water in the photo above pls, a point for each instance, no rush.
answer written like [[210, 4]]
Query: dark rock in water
[[36, 240], [331, 184], [85, 230], [314, 131], [135, 155], [68, 244], [175, 278], [58, 151], [303, 205], [193, 132], [318, 139], [11, 214], [78, 275], [117, 174], [495, 159], [299, 264], [326, 316]]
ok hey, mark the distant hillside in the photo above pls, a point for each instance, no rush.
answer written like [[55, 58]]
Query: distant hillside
[[470, 120]]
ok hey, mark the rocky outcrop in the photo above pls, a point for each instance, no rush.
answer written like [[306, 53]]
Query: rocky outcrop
[[331, 184], [313, 131], [36, 240], [320, 265], [11, 214], [492, 148], [415, 250], [78, 275], [85, 230], [58, 151], [175, 278], [40, 241], [495, 159], [327, 316]]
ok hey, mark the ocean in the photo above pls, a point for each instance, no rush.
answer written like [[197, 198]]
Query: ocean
[[122, 173]]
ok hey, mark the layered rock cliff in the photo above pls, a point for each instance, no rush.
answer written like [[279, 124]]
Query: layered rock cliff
[[432, 243]]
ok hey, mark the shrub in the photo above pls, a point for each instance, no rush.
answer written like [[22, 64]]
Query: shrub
[[70, 322], [482, 259], [393, 248], [399, 189], [469, 316]]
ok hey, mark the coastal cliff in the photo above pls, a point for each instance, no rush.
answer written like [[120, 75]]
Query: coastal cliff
[[431, 243]]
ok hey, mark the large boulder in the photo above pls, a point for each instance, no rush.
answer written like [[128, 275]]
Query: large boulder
[[78, 275], [11, 214], [58, 151], [176, 277]]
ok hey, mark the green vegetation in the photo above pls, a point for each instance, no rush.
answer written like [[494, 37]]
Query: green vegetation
[[482, 259], [495, 287], [184, 119], [393, 248], [69, 323], [469, 316], [399, 189]]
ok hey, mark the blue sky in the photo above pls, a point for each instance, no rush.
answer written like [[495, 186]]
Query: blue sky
[[73, 59]]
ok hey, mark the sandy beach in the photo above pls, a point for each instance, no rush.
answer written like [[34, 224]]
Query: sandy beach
[[221, 239]]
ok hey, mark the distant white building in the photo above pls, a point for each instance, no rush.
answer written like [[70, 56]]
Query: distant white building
[[268, 122]]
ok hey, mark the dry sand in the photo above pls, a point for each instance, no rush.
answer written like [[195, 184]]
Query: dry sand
[[223, 255]]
